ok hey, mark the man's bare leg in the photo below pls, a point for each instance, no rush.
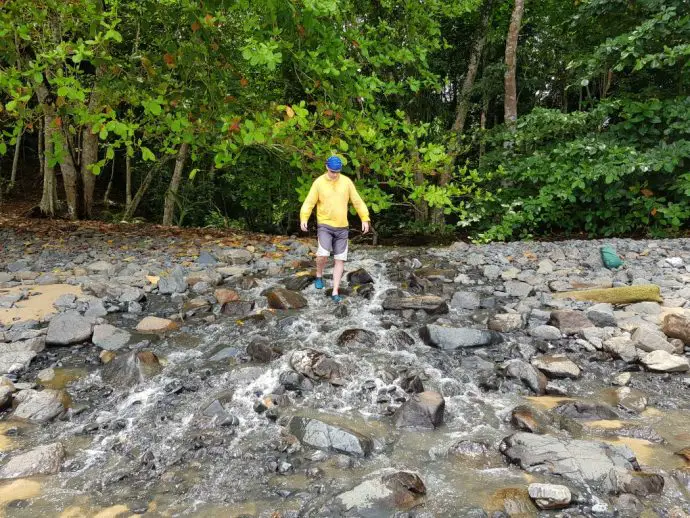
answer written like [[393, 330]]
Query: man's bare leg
[[321, 261], [338, 270]]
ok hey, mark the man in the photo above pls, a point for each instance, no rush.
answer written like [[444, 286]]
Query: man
[[331, 193]]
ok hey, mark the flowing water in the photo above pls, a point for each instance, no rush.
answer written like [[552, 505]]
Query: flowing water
[[150, 447]]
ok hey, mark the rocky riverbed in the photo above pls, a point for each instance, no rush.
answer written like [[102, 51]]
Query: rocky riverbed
[[172, 376]]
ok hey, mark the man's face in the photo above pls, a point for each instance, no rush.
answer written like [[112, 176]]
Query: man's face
[[333, 175]]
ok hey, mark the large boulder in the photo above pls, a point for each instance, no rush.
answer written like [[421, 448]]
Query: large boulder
[[43, 460], [357, 337], [110, 337], [647, 340], [557, 366], [382, 495], [583, 462], [569, 322], [423, 411], [429, 303], [676, 326], [132, 368], [40, 406], [662, 361], [323, 436], [359, 277], [452, 338], [280, 298], [69, 328], [17, 356]]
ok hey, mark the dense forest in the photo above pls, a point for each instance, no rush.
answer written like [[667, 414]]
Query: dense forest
[[500, 119]]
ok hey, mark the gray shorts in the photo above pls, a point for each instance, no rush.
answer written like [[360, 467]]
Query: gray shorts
[[332, 239]]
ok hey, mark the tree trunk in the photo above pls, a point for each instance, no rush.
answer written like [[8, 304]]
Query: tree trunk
[[128, 180], [15, 160], [510, 82], [70, 178], [49, 200], [171, 195], [131, 209], [106, 197], [89, 156]]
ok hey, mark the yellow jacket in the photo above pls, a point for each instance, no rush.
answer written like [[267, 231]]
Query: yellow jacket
[[331, 198]]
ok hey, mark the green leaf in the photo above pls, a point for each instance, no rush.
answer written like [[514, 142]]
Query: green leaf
[[146, 154], [38, 77], [192, 173], [3, 148]]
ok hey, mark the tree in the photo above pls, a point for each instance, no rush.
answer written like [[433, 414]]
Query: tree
[[510, 98]]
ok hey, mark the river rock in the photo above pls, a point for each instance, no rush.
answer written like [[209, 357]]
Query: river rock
[[647, 340], [586, 410], [465, 300], [549, 496], [601, 315], [526, 373], [323, 436], [585, 462], [225, 295], [131, 294], [357, 337], [676, 326], [238, 308], [383, 494], [6, 396], [518, 289], [315, 365], [557, 366], [637, 483], [155, 325], [17, 356], [359, 277], [235, 256], [505, 322], [452, 338], [292, 380], [630, 399], [261, 351], [429, 303], [220, 415], [570, 322], [511, 502], [172, 282], [662, 361], [110, 337], [423, 411], [40, 406], [42, 460], [298, 283], [621, 347], [280, 298], [530, 419], [545, 332], [69, 328], [132, 368]]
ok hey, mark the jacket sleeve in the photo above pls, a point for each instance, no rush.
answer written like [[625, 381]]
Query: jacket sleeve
[[358, 203], [309, 203]]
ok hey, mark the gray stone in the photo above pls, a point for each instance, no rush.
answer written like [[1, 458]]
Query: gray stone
[[132, 294], [323, 436], [43, 460], [465, 300], [95, 310], [645, 308], [491, 272], [69, 328], [527, 374], [315, 365], [545, 332], [584, 462], [557, 366], [235, 256], [630, 399], [206, 259], [451, 338], [569, 322], [601, 315], [586, 410], [505, 322], [39, 407], [17, 356], [518, 289], [381, 495], [545, 267], [110, 337], [222, 417], [101, 267], [423, 411], [172, 282], [475, 259], [621, 347], [549, 496], [621, 480], [131, 368], [662, 361], [510, 274], [622, 379], [647, 340], [429, 303]]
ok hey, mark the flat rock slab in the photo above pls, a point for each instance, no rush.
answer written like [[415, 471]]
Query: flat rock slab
[[429, 303], [69, 328], [662, 361], [155, 325], [43, 460], [110, 337], [584, 462], [384, 494], [557, 366], [280, 298], [327, 437], [39, 407], [451, 338], [647, 340]]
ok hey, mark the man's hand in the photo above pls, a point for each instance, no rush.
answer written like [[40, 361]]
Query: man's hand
[[365, 227], [304, 227]]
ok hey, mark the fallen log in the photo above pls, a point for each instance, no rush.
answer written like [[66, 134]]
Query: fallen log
[[622, 295]]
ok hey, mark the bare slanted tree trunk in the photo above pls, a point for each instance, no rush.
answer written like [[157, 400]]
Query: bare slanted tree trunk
[[70, 178], [171, 195], [106, 196], [15, 160], [131, 209], [128, 181], [510, 82], [49, 200]]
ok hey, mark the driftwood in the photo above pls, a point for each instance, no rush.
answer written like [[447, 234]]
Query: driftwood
[[623, 295]]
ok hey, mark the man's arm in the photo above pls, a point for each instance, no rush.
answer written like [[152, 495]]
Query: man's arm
[[360, 207], [308, 205]]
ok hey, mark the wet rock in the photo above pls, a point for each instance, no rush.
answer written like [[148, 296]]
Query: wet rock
[[545, 332], [225, 295], [298, 283], [17, 356], [42, 460], [357, 337], [107, 356], [676, 326], [392, 491], [451, 338], [518, 289], [359, 277], [527, 374], [662, 361], [39, 407], [511, 502], [580, 461], [295, 381], [280, 298], [340, 311], [132, 368], [172, 282], [621, 347], [475, 454], [155, 325], [261, 352], [586, 410], [647, 340], [601, 315], [630, 399], [570, 322], [220, 415], [429, 303], [315, 365], [628, 505], [531, 419], [400, 339], [423, 411], [465, 300], [412, 384], [238, 308], [5, 396], [621, 480], [557, 366], [549, 496], [69, 328], [110, 337], [505, 322], [323, 436]]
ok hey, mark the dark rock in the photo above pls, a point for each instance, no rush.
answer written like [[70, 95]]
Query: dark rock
[[340, 311], [423, 411], [357, 337], [569, 322], [131, 368], [221, 416], [526, 373], [238, 308], [261, 352], [315, 365], [295, 381], [400, 339], [323, 436], [585, 410], [530, 419], [429, 303], [634, 482], [412, 384], [359, 277], [280, 298], [298, 283], [451, 338]]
